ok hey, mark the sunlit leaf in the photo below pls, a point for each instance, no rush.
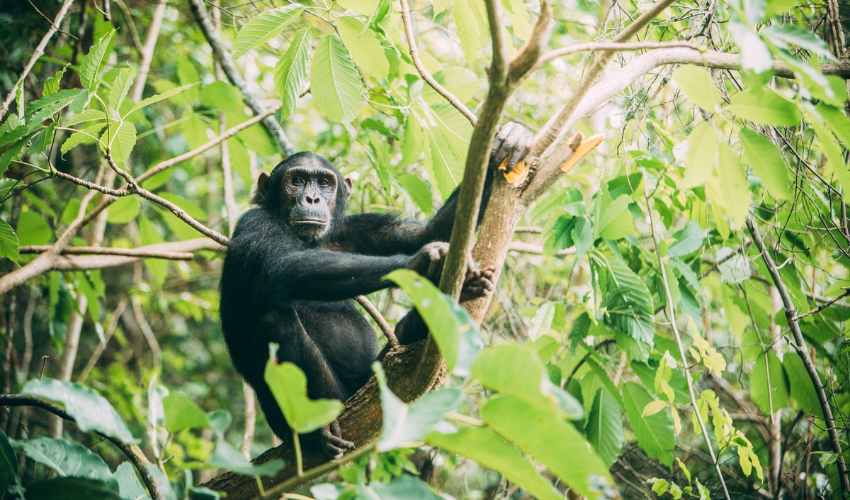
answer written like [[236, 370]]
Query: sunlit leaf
[[698, 85], [364, 47], [93, 61], [334, 81], [701, 155], [290, 74], [289, 387], [654, 433], [182, 413], [765, 107], [120, 86], [264, 27]]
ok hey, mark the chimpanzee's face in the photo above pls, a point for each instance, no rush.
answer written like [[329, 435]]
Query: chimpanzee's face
[[310, 194]]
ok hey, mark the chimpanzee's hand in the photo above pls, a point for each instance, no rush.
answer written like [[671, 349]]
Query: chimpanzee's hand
[[512, 142], [478, 283], [429, 260], [331, 443]]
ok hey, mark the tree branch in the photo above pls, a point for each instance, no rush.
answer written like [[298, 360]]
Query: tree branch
[[133, 453], [147, 51], [126, 252], [803, 351], [37, 53], [379, 319], [610, 46], [235, 78]]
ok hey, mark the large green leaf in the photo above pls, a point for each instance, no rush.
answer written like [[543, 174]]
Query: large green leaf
[[63, 97], [222, 95], [687, 240], [766, 160], [517, 371], [8, 242], [404, 424], [129, 485], [365, 7], [66, 458], [73, 488], [701, 155], [120, 86], [604, 427], [654, 433], [614, 221], [121, 139], [404, 487], [91, 411], [182, 413], [769, 384], [628, 303], [698, 85], [227, 457], [289, 387], [553, 442], [92, 62], [802, 387], [123, 210], [158, 97], [334, 81], [291, 71], [450, 325], [364, 47], [87, 135], [488, 449], [472, 28], [765, 107], [837, 122], [33, 229], [264, 27], [787, 33], [733, 181]]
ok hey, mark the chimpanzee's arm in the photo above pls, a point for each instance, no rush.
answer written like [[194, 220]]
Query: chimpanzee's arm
[[328, 276]]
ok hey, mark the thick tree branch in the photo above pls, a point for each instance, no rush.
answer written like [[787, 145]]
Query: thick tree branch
[[148, 49], [610, 46], [126, 252], [803, 351], [37, 53], [105, 261], [223, 58], [133, 453]]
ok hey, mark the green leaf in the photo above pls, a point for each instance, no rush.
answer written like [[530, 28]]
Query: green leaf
[[222, 95], [8, 244], [51, 85], [450, 325], [364, 47], [66, 458], [290, 74], [87, 135], [264, 27], [86, 116], [120, 138], [182, 413], [289, 387], [158, 97], [765, 107], [755, 55], [698, 85], [33, 229], [73, 488], [654, 433], [472, 27], [8, 464], [517, 371], [517, 12], [11, 153], [123, 210], [62, 98], [687, 240], [121, 86], [488, 449], [334, 81], [837, 122], [44, 139], [461, 82], [783, 34], [404, 424], [701, 155], [553, 442], [802, 387], [91, 64], [128, 483], [365, 7], [615, 220], [418, 191], [91, 411], [227, 457], [735, 189], [766, 160], [628, 302], [404, 487], [773, 396], [604, 427]]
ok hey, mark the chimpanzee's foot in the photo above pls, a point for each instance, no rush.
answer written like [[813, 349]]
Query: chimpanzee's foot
[[478, 283]]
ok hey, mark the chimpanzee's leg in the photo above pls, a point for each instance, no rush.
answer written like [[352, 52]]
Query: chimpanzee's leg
[[295, 345]]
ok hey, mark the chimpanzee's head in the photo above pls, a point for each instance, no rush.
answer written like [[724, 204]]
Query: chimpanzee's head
[[307, 192]]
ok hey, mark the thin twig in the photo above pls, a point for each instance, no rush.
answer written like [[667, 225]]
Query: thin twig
[[379, 319], [414, 55], [36, 54], [137, 458], [802, 350], [610, 46], [671, 310], [823, 306], [126, 252], [147, 51]]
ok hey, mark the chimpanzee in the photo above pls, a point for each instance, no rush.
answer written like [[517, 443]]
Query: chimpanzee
[[296, 261]]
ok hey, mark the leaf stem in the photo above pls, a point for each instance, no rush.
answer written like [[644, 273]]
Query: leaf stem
[[298, 459]]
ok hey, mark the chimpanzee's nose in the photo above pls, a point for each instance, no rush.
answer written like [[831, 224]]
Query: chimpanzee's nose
[[311, 199]]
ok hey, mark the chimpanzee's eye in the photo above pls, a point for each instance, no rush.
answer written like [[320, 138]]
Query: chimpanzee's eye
[[323, 182], [297, 181]]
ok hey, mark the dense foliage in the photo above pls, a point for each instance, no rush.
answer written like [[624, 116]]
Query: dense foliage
[[670, 317]]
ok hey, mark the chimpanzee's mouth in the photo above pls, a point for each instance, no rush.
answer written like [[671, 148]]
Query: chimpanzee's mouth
[[311, 222]]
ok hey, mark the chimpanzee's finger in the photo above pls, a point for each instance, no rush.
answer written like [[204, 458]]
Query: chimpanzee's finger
[[520, 150], [336, 430]]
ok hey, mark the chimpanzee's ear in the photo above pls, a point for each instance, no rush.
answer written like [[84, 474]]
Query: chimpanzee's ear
[[349, 187], [261, 184]]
